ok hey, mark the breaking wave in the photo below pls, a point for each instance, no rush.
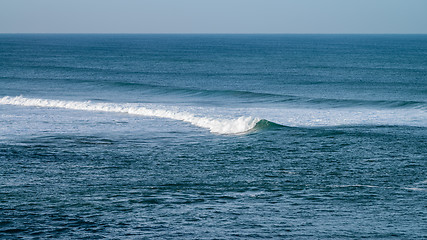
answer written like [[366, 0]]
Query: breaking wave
[[215, 125]]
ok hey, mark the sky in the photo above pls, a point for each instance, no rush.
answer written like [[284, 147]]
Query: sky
[[213, 16]]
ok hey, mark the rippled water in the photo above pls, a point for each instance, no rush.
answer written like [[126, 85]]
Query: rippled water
[[213, 136]]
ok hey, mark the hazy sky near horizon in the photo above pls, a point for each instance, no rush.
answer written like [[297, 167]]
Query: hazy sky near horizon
[[213, 16]]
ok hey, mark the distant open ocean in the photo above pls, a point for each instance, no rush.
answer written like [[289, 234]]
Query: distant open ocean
[[213, 136]]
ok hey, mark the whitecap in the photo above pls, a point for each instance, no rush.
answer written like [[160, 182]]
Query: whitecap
[[214, 125]]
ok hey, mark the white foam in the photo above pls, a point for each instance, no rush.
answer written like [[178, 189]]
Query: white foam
[[356, 185], [416, 189], [215, 125], [422, 182], [309, 117]]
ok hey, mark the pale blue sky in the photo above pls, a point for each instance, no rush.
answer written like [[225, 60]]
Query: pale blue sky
[[213, 16]]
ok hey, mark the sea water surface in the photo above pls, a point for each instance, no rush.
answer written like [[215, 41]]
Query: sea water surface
[[213, 136]]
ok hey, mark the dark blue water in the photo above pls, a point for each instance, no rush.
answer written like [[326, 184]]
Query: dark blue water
[[213, 136]]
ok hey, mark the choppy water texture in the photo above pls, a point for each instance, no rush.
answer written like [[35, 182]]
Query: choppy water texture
[[213, 136]]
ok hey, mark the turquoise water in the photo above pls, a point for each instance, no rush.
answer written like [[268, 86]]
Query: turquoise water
[[213, 136]]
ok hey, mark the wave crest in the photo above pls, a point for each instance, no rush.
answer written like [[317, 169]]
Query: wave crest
[[215, 125]]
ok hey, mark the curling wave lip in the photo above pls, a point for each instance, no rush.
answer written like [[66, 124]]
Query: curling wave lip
[[215, 125]]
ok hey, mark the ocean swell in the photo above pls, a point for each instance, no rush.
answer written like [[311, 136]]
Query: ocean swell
[[215, 125]]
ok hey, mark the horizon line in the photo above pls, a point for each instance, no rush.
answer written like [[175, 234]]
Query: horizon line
[[201, 33]]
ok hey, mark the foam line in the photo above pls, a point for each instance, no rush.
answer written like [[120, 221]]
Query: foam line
[[221, 126]]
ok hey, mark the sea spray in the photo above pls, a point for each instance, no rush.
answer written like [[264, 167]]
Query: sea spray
[[215, 125]]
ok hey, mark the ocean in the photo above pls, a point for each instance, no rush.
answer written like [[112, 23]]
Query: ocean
[[213, 136]]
